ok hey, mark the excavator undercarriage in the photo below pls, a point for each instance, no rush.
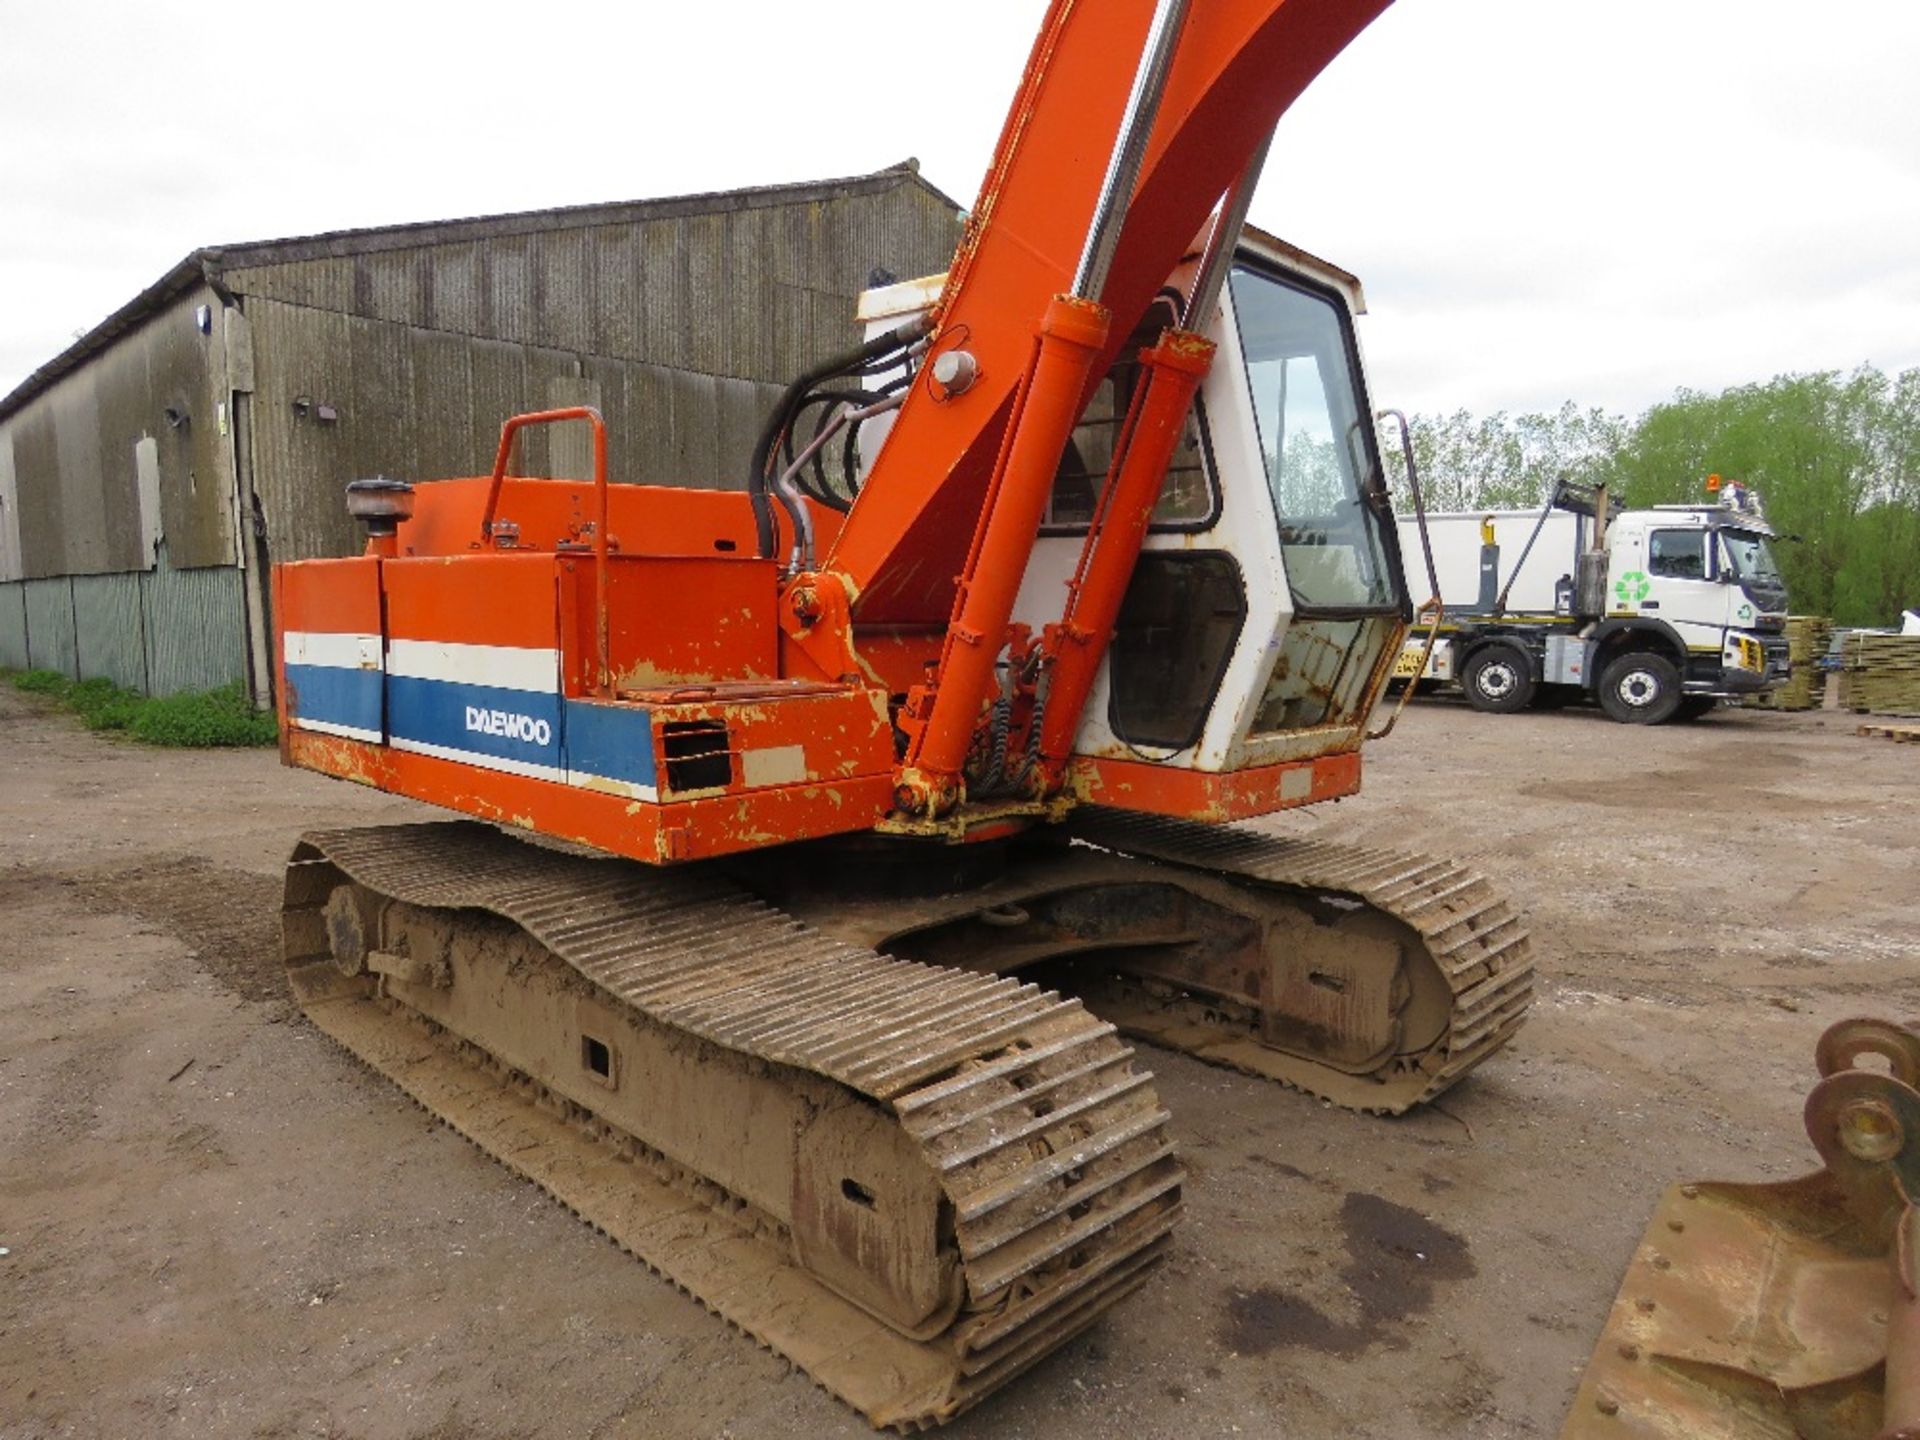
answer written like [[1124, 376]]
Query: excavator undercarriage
[[911, 1176], [1369, 977], [911, 1181]]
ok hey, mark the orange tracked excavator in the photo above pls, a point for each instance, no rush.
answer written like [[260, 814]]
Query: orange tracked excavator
[[842, 778], [1083, 556]]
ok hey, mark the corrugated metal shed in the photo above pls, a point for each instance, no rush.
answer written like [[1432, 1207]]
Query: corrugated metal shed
[[109, 624], [161, 630], [191, 642], [13, 627], [209, 426], [72, 449], [50, 638]]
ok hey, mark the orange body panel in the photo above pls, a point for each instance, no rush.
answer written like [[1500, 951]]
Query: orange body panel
[[1216, 796], [464, 680], [643, 519], [620, 665], [339, 595], [673, 620], [655, 834], [499, 600]]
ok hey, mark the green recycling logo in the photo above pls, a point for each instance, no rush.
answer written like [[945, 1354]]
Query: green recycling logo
[[1633, 587]]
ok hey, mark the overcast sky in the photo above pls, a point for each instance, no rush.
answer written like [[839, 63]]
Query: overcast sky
[[1546, 199]]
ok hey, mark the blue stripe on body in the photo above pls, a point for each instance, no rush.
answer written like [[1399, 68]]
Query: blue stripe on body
[[438, 712], [614, 742], [334, 695]]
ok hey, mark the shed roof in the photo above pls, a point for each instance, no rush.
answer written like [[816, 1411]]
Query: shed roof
[[205, 265]]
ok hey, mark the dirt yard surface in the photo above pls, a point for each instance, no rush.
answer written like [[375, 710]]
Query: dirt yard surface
[[216, 1225]]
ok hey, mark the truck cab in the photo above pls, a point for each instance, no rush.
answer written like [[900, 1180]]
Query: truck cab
[[1656, 614], [1706, 576]]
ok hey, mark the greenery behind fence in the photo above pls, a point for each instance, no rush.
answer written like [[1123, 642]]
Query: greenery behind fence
[[1835, 457], [199, 719]]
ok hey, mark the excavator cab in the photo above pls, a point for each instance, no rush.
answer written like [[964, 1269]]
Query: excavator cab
[[1268, 598]]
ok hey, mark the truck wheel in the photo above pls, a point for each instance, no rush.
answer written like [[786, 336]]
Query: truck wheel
[[1497, 679], [1640, 688]]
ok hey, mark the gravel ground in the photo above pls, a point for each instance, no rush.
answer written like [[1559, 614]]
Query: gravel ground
[[216, 1225]]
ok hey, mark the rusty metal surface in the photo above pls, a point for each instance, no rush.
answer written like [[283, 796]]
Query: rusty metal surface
[[1455, 991], [1371, 978], [1053, 1183], [1785, 1309]]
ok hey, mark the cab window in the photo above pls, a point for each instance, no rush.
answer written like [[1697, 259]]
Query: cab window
[[1678, 554], [1187, 497], [1310, 416]]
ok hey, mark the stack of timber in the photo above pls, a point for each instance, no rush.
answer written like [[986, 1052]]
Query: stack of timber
[[1807, 639], [1880, 673], [1904, 734]]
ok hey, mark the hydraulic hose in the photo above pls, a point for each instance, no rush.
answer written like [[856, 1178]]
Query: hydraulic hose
[[759, 478]]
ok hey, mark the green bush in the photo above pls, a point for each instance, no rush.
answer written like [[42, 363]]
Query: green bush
[[204, 718], [41, 682], [103, 705], [199, 719]]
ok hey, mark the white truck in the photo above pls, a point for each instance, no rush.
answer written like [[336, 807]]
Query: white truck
[[1658, 614]]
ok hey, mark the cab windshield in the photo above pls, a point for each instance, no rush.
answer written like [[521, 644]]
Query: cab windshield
[[1749, 556], [1316, 448]]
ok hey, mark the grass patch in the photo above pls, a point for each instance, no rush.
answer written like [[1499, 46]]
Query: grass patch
[[205, 717], [199, 719], [40, 682]]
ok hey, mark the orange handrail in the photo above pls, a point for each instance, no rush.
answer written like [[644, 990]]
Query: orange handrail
[[603, 676]]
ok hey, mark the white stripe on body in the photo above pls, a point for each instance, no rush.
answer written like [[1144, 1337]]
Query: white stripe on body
[[503, 667], [329, 650]]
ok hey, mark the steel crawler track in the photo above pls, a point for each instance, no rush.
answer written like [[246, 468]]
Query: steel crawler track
[[1469, 932], [1046, 1153]]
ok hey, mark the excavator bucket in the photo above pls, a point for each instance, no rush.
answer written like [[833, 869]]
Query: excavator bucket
[[1782, 1310]]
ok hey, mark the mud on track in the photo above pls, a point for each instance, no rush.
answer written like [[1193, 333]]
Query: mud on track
[[219, 1227]]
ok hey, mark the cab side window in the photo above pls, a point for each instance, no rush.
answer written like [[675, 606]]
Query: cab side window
[[1187, 500], [1678, 554]]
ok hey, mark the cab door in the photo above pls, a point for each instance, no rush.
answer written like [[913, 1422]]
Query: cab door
[[1685, 590]]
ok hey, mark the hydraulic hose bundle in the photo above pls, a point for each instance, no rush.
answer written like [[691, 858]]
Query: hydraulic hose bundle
[[774, 452]]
